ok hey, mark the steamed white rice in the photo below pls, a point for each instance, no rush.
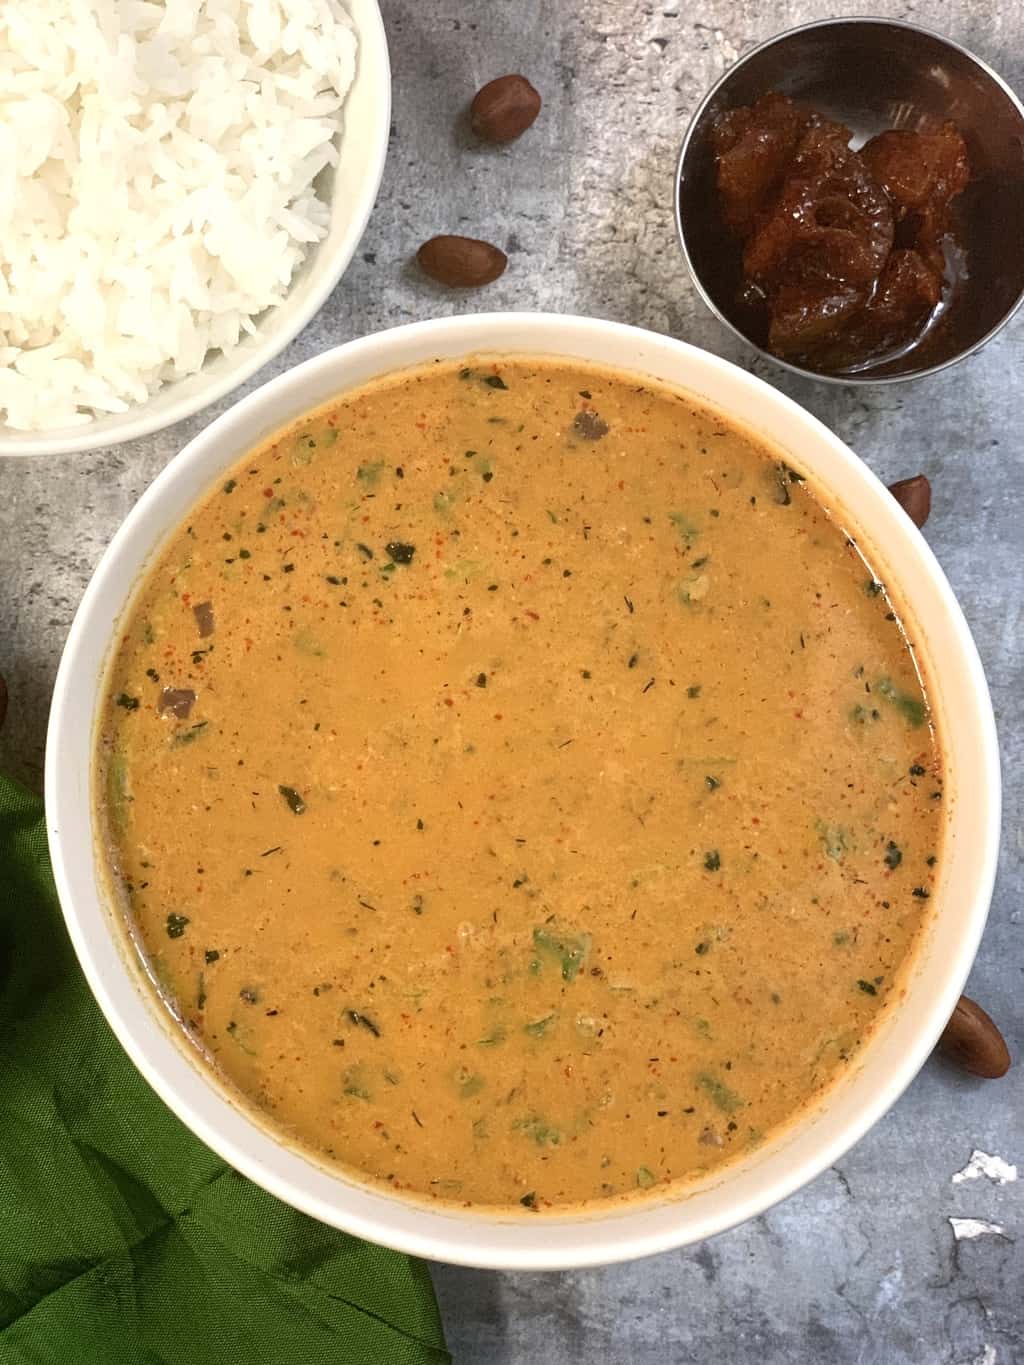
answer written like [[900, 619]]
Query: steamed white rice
[[157, 163]]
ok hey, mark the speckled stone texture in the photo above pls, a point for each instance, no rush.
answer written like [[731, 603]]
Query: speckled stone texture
[[861, 1268]]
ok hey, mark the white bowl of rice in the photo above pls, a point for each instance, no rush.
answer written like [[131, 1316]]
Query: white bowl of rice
[[181, 188]]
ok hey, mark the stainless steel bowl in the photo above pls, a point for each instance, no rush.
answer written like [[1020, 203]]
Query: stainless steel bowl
[[873, 74]]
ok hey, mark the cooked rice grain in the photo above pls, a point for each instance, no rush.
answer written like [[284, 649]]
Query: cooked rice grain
[[157, 168]]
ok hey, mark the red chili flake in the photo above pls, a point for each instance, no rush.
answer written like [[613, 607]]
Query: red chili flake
[[622, 484], [498, 716], [448, 701], [533, 616], [268, 492]]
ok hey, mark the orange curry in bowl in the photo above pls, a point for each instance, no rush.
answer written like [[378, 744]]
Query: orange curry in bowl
[[519, 785]]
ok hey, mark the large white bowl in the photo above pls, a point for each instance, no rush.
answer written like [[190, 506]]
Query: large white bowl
[[888, 1063], [354, 183]]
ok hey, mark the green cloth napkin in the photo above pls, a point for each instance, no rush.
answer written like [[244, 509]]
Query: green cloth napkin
[[122, 1238]]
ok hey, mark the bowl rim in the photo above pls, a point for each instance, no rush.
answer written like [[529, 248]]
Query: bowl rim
[[875, 20], [480, 1240], [373, 64]]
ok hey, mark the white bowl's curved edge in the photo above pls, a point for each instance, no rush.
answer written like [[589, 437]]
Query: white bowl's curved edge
[[524, 1242], [373, 73]]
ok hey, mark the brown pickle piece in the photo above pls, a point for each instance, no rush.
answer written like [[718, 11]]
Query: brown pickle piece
[[830, 223], [753, 147], [908, 291], [844, 254], [922, 173], [805, 316]]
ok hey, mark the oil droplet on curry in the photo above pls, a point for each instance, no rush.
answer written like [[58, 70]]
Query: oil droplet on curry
[[522, 789]]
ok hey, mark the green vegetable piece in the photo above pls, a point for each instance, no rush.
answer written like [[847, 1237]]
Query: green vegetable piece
[[529, 1201], [645, 1178], [867, 987], [835, 840], [190, 735], [119, 797], [913, 708], [176, 925], [294, 801], [362, 1021], [468, 1083], [569, 948], [307, 643], [370, 473], [230, 486], [721, 1095], [688, 532], [129, 703], [243, 1046], [893, 855], [538, 1028], [399, 551], [355, 1083], [713, 860], [495, 381], [543, 1133], [497, 1035]]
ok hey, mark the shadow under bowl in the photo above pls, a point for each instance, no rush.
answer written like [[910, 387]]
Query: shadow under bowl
[[875, 74]]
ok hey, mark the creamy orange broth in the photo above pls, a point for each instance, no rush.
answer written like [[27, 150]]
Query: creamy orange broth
[[558, 805]]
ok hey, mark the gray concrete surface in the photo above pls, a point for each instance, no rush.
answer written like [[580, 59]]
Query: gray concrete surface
[[862, 1266]]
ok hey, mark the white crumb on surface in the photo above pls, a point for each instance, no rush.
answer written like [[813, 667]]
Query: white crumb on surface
[[967, 1229], [991, 1167]]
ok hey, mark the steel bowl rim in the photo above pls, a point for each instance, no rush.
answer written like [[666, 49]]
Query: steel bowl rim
[[688, 136]]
